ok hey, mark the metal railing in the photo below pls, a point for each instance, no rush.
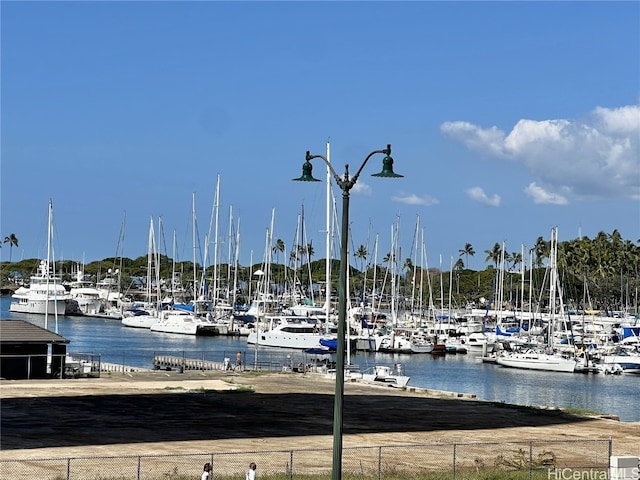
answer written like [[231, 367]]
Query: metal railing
[[531, 460]]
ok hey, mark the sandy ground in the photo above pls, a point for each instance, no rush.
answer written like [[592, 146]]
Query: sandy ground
[[168, 412]]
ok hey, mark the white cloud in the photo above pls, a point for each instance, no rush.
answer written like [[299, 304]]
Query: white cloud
[[595, 157], [477, 194], [542, 196], [413, 199], [361, 188]]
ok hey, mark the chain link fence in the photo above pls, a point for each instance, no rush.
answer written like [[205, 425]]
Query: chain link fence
[[532, 460]]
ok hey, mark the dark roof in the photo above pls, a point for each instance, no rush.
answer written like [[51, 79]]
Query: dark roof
[[19, 331]]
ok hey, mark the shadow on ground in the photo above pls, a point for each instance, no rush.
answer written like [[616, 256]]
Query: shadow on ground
[[187, 416]]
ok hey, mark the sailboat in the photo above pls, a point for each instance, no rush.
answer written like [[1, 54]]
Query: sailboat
[[45, 294], [544, 359], [145, 316]]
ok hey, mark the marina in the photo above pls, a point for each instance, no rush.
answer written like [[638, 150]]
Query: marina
[[464, 373]]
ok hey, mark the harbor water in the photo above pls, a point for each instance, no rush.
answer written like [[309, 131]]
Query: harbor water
[[609, 394]]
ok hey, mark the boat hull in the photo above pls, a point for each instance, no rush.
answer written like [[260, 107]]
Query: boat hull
[[538, 361], [39, 307]]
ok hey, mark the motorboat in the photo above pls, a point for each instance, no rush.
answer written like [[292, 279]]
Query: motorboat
[[45, 294], [289, 332], [386, 375], [140, 317], [85, 295], [184, 323]]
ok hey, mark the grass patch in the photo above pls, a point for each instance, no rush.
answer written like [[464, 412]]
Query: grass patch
[[581, 412]]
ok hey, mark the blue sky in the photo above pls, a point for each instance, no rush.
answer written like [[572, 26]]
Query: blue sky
[[506, 119]]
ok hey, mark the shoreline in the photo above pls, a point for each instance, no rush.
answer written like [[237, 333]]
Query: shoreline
[[254, 411]]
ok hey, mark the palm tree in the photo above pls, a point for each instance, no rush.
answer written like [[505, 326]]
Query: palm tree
[[516, 259], [408, 265], [278, 248], [493, 255], [361, 254], [541, 250], [308, 251], [12, 240], [467, 250]]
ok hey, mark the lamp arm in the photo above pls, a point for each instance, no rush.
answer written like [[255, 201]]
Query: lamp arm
[[386, 151], [336, 177]]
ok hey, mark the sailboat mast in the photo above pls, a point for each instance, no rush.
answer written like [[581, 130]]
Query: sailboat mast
[[49, 233], [327, 266], [173, 270], [149, 259], [235, 273], [215, 243], [156, 254], [193, 238], [229, 250], [415, 263]]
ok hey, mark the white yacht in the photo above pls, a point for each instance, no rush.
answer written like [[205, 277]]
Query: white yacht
[[289, 332], [45, 295], [85, 294], [140, 317], [184, 323]]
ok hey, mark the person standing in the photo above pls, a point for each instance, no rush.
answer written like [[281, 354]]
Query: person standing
[[239, 361], [206, 473], [251, 474]]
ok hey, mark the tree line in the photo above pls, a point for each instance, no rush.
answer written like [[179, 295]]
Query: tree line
[[599, 273]]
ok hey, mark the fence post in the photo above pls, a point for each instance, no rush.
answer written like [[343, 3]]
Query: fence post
[[291, 465], [454, 460], [530, 460], [379, 462], [610, 448]]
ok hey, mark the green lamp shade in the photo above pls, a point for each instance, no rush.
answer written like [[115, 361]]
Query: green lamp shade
[[387, 169], [306, 173]]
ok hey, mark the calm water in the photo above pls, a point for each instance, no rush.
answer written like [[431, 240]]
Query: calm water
[[457, 373]]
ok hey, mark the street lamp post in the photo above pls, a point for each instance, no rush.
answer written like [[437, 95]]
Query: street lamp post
[[345, 183]]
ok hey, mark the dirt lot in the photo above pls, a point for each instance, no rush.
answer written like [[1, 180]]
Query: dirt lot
[[169, 412]]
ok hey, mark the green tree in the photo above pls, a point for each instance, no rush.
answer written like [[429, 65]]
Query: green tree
[[541, 251], [408, 265], [278, 248], [308, 251], [515, 259], [493, 255], [466, 251], [12, 240], [361, 254]]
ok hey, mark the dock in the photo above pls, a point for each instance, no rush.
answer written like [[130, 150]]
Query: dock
[[175, 362]]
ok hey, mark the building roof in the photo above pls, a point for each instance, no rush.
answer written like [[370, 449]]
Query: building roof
[[20, 331]]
